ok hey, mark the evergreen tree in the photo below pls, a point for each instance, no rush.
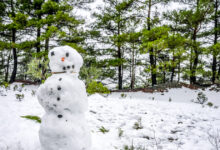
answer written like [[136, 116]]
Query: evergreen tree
[[192, 23], [111, 23]]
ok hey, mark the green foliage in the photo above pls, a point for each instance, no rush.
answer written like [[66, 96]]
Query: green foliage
[[34, 118], [138, 125], [89, 74], [120, 132], [37, 68], [4, 84], [103, 130], [210, 104], [123, 95], [201, 98], [97, 87], [19, 96]]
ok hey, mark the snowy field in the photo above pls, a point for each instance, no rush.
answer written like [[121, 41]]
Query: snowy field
[[166, 121]]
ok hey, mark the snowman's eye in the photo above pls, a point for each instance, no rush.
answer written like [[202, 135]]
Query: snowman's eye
[[68, 67], [67, 54], [52, 53]]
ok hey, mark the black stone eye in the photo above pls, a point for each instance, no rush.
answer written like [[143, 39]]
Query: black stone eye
[[59, 88], [64, 68], [73, 66], [60, 79], [68, 67], [67, 54], [59, 116], [58, 98], [52, 53]]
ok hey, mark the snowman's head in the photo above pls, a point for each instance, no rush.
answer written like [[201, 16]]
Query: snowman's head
[[65, 59]]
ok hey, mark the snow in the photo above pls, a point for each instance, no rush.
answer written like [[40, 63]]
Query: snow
[[65, 58], [170, 125]]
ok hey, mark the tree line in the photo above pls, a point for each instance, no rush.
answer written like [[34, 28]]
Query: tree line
[[128, 43]]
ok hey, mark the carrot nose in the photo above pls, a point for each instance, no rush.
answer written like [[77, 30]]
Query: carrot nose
[[63, 58]]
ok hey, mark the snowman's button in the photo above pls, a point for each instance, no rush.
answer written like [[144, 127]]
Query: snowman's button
[[59, 88], [58, 98], [52, 53], [59, 116], [54, 105], [60, 79]]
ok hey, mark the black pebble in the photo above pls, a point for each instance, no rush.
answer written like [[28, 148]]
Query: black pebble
[[64, 68], [60, 79], [59, 88], [67, 54], [73, 66], [52, 53], [59, 116], [58, 98], [54, 105], [66, 120], [68, 67]]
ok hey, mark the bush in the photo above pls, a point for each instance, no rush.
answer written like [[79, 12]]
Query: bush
[[37, 69], [201, 98], [5, 84], [138, 125], [103, 130], [19, 96], [97, 87]]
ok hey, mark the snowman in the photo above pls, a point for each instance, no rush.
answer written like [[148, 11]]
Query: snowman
[[64, 99]]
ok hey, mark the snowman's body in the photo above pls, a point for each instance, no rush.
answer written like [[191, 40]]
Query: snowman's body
[[64, 98]]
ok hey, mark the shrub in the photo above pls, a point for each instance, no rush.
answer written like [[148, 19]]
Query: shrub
[[138, 125], [201, 98], [123, 95], [210, 104], [19, 96], [103, 130], [37, 69], [97, 87], [120, 132], [5, 84]]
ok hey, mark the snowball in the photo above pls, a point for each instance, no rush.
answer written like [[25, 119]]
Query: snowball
[[65, 58]]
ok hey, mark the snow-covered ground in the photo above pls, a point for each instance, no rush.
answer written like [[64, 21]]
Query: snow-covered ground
[[168, 121]]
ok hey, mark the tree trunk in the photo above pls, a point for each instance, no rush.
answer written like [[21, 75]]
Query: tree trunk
[[7, 68], [133, 68], [38, 39], [179, 70], [173, 68], [151, 51], [195, 59], [14, 72], [120, 77], [214, 61]]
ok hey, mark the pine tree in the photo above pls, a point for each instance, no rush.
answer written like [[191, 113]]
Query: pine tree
[[191, 23], [111, 23]]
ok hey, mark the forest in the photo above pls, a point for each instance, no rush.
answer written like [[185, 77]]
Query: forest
[[126, 44]]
